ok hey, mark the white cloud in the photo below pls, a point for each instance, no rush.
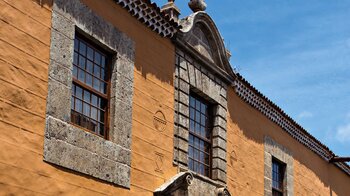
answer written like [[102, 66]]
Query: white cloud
[[305, 114], [343, 133]]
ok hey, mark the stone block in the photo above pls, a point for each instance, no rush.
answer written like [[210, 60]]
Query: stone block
[[123, 111], [122, 90], [182, 97], [58, 101], [219, 132], [181, 120], [183, 63], [219, 153], [184, 75], [219, 163], [182, 85], [219, 121], [221, 111], [63, 25], [60, 73], [219, 175], [121, 133], [182, 108], [124, 67], [181, 143], [198, 85], [267, 184], [267, 171], [181, 132], [219, 142], [56, 129], [61, 49], [181, 157]]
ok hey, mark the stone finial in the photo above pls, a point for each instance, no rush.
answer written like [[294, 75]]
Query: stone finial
[[197, 5], [171, 10]]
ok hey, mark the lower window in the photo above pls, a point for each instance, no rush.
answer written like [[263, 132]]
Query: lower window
[[278, 170], [199, 149]]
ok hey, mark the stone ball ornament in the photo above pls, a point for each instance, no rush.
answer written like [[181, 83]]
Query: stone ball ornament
[[197, 5]]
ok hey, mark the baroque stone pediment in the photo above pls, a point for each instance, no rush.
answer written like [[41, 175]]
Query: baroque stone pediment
[[200, 35]]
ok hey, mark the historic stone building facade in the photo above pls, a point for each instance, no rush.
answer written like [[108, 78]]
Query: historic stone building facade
[[122, 97]]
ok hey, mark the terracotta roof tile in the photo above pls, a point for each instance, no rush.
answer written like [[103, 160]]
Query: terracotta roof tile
[[149, 14]]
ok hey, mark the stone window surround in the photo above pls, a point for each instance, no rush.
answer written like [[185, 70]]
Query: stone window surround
[[190, 76], [274, 150], [67, 145]]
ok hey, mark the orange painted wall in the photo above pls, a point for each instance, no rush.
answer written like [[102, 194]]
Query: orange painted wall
[[246, 130], [24, 59]]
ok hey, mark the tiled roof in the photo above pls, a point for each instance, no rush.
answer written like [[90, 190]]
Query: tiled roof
[[257, 100], [149, 14]]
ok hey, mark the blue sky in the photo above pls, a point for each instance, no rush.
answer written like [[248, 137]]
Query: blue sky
[[297, 53]]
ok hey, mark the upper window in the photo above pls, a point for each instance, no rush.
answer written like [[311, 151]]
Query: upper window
[[89, 107], [278, 169], [199, 149]]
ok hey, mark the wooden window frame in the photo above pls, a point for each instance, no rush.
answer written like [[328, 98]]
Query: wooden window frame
[[91, 89], [208, 128]]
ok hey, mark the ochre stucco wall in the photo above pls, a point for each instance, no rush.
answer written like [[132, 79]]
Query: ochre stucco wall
[[245, 156], [24, 59]]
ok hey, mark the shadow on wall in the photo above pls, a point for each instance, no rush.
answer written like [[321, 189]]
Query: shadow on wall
[[311, 172], [44, 2]]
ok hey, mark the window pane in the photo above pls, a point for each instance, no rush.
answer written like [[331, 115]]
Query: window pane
[[203, 120], [82, 62], [75, 72], [203, 108], [101, 116], [89, 79], [94, 113], [75, 58], [81, 75], [198, 104], [102, 128], [198, 129], [86, 96], [94, 99], [192, 102], [86, 109], [78, 106], [89, 66], [192, 113], [97, 58], [82, 48], [103, 87], [191, 125], [198, 117], [103, 62], [90, 53], [97, 71], [78, 92], [76, 44], [96, 84]]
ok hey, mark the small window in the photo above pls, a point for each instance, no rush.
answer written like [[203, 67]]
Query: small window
[[89, 107], [278, 169], [199, 149]]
